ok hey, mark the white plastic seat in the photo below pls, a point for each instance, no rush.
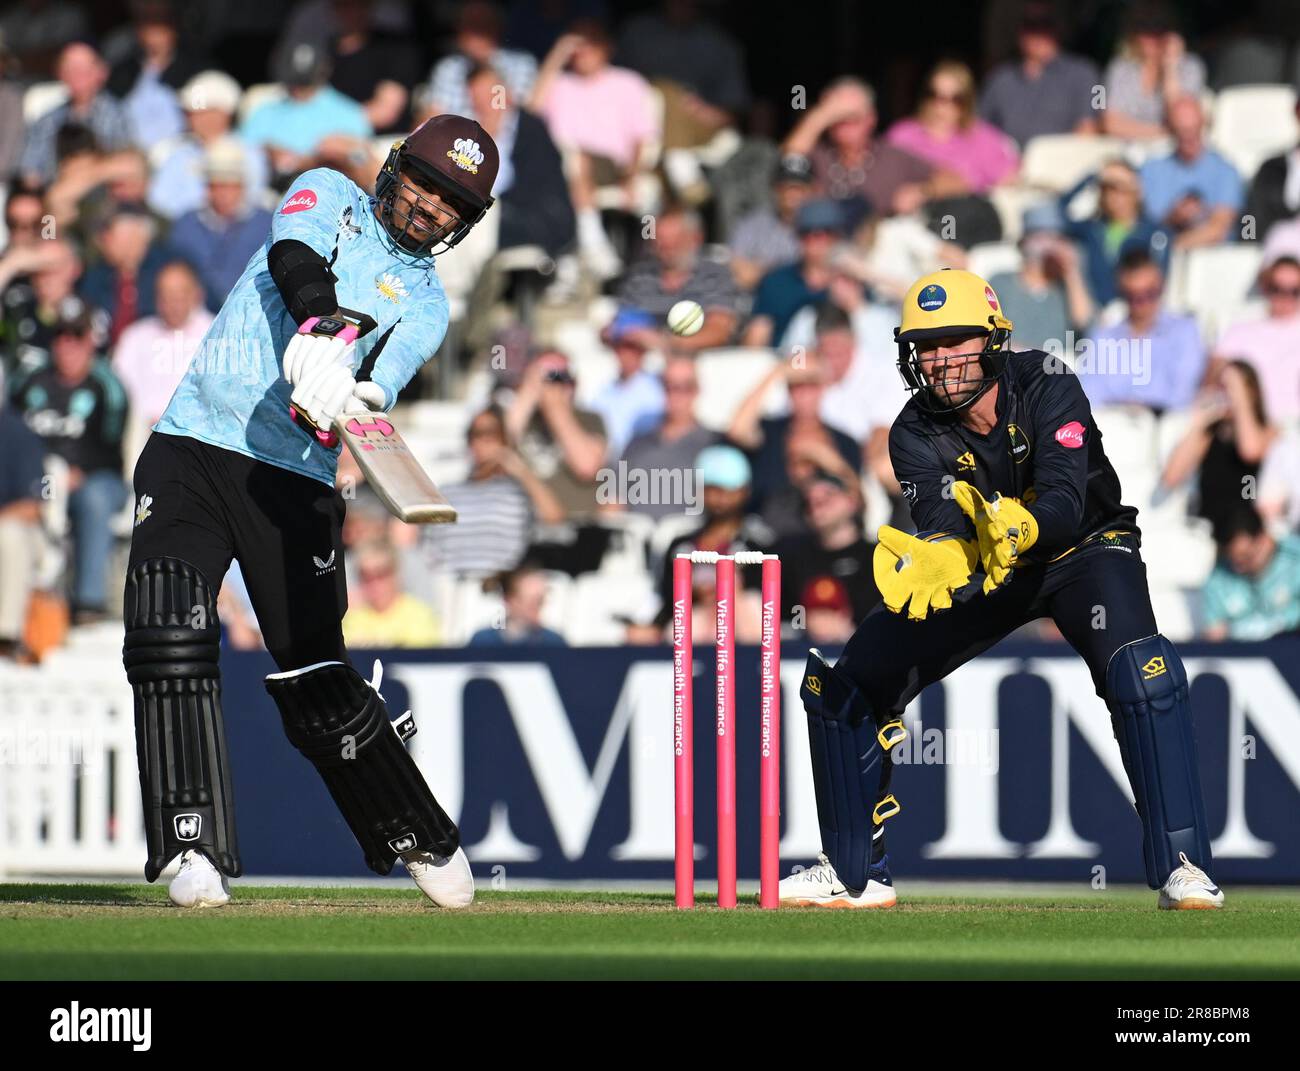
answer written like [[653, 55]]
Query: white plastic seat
[[1057, 161], [1252, 123], [41, 99], [599, 605], [988, 259], [726, 376], [1213, 283]]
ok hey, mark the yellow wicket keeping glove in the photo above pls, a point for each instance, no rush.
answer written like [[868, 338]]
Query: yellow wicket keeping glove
[[1004, 527], [921, 571]]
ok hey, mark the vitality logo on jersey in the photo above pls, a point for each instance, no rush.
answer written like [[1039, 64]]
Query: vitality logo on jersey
[[1018, 443], [1070, 435], [966, 462], [299, 202]]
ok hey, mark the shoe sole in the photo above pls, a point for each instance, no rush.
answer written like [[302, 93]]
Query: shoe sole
[[1190, 904], [840, 903]]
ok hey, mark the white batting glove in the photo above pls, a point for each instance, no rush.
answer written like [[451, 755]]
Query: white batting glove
[[306, 351], [322, 391], [366, 397]]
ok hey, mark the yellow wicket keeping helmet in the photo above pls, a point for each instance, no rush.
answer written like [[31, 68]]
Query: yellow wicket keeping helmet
[[945, 303]]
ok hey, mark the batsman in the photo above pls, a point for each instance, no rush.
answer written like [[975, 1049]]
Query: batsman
[[1020, 517], [335, 312]]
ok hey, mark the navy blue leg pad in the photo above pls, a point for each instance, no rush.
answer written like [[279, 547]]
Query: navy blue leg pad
[[1146, 690], [849, 767]]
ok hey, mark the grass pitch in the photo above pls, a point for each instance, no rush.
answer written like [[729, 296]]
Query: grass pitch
[[111, 932]]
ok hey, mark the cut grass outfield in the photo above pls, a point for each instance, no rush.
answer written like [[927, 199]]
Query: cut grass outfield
[[114, 932]]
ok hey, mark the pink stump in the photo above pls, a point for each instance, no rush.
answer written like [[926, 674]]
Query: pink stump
[[725, 727], [770, 740], [683, 734]]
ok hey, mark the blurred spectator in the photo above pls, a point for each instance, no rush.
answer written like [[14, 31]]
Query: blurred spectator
[[786, 451], [1152, 357], [671, 270], [1279, 494], [89, 183], [600, 116], [78, 408], [146, 80], [946, 131], [84, 74], [1047, 297], [36, 31], [848, 163], [122, 282], [295, 131], [1118, 227], [1046, 91], [765, 238], [1272, 345], [523, 593], [785, 290], [32, 304], [1275, 190], [316, 23], [563, 444], [724, 475], [179, 185], [634, 402], [154, 353], [373, 67], [478, 43], [1254, 591], [220, 237], [1226, 440], [667, 452], [1194, 191], [833, 546], [497, 505], [21, 479], [1151, 72], [533, 206], [380, 613], [828, 616], [13, 130]]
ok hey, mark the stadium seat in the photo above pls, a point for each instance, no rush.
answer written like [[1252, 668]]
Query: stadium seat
[[1213, 283], [1011, 203], [1130, 438], [727, 376], [1252, 123], [1173, 610], [601, 604], [42, 98], [1057, 161], [993, 258], [629, 545]]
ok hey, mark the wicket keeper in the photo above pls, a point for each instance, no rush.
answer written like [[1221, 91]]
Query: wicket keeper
[[334, 314], [1020, 517]]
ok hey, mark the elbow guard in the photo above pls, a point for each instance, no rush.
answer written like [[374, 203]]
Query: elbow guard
[[303, 278]]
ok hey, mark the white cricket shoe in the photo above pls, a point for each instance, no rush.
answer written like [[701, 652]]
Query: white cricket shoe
[[447, 881], [820, 886], [1189, 888], [199, 883]]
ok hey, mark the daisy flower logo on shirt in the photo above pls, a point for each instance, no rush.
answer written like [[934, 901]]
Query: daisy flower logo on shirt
[[390, 287]]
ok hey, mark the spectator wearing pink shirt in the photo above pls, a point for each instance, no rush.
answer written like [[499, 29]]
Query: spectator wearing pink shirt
[[600, 116], [154, 353], [1272, 345]]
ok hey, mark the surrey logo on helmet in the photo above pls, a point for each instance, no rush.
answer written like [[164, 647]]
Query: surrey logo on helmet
[[466, 154]]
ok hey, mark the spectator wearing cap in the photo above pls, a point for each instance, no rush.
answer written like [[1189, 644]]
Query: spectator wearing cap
[[21, 479], [765, 238], [946, 131], [1254, 591], [786, 450], [122, 282], [723, 473], [1194, 192], [84, 75], [79, 409], [1047, 90], [1152, 71], [672, 269], [373, 66], [380, 613], [1152, 357], [666, 453], [833, 545], [1119, 226], [220, 237], [1048, 296], [147, 77], [523, 595], [295, 131], [783, 291], [850, 163], [634, 401], [827, 611], [32, 303], [1271, 345], [478, 42], [179, 184], [499, 505], [154, 352]]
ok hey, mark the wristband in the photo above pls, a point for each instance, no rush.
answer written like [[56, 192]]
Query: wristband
[[331, 327]]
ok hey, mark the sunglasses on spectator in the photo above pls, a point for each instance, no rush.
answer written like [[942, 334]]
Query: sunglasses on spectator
[[369, 576], [1115, 184], [681, 388], [1292, 292], [947, 98], [1141, 297], [485, 432], [23, 224]]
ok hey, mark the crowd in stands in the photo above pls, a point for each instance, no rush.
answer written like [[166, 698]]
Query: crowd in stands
[[1124, 223]]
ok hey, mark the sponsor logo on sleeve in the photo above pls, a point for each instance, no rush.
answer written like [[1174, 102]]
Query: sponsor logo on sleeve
[[299, 202], [1070, 435]]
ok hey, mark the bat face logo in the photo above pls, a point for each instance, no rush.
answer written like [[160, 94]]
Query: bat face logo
[[376, 427]]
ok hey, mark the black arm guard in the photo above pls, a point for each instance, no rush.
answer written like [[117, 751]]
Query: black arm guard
[[303, 278]]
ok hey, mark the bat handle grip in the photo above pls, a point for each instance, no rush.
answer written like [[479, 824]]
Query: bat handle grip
[[324, 435]]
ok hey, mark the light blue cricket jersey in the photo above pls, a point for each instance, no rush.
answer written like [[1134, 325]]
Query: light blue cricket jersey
[[235, 394]]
